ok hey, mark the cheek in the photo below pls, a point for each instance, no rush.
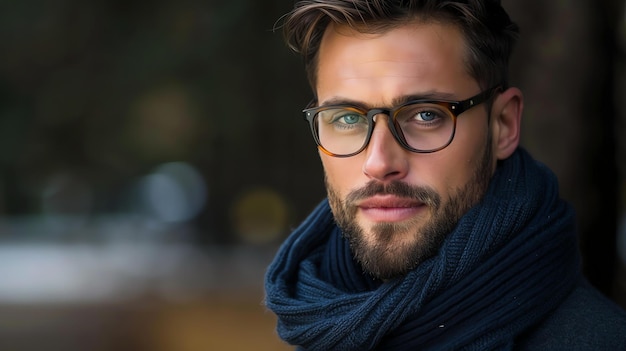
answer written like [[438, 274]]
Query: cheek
[[342, 174], [456, 164]]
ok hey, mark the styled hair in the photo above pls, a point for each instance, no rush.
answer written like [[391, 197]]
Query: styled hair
[[489, 33]]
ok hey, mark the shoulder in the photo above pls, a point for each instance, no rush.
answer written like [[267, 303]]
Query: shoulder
[[586, 320]]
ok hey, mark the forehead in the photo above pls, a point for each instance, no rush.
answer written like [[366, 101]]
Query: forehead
[[412, 58]]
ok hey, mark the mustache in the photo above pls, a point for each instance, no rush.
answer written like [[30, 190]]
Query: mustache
[[424, 194]]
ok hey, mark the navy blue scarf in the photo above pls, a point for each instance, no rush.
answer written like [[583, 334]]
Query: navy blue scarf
[[509, 262]]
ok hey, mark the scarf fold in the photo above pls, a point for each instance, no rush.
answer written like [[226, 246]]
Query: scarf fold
[[508, 263]]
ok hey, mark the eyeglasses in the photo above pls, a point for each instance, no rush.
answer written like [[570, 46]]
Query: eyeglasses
[[421, 126]]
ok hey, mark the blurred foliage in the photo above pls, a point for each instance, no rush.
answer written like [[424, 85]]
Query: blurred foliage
[[96, 95], [108, 90]]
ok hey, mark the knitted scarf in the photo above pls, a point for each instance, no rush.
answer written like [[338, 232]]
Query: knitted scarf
[[508, 263]]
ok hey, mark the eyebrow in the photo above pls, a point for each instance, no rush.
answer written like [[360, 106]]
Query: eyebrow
[[397, 101]]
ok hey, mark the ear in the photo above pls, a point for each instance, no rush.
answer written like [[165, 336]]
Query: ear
[[506, 116]]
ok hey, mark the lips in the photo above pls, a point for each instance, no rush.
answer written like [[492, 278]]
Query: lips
[[389, 208]]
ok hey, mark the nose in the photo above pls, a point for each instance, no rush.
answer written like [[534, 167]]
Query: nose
[[385, 158]]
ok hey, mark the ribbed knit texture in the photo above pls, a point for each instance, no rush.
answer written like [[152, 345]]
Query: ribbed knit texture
[[509, 262]]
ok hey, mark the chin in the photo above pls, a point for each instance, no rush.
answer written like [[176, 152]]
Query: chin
[[391, 250]]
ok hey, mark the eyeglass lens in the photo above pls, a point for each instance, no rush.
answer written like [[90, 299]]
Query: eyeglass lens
[[422, 126]]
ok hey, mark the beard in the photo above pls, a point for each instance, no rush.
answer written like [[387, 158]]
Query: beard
[[397, 248]]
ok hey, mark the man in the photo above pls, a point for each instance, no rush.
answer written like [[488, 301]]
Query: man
[[439, 232]]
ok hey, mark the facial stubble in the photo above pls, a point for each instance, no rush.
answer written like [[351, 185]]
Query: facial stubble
[[389, 253]]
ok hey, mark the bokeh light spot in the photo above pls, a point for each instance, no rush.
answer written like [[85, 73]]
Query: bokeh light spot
[[260, 216]]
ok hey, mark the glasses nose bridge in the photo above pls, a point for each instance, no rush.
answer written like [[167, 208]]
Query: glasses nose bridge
[[371, 115]]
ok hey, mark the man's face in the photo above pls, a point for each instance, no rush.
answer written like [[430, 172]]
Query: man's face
[[397, 206]]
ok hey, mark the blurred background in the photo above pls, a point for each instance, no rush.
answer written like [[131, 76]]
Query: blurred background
[[153, 157]]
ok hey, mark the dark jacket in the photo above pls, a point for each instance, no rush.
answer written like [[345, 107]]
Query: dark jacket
[[586, 320]]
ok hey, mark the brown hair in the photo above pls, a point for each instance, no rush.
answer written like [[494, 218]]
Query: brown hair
[[489, 32]]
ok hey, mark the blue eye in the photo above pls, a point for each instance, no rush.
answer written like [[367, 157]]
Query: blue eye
[[343, 119], [347, 118], [350, 119], [426, 116], [422, 113]]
